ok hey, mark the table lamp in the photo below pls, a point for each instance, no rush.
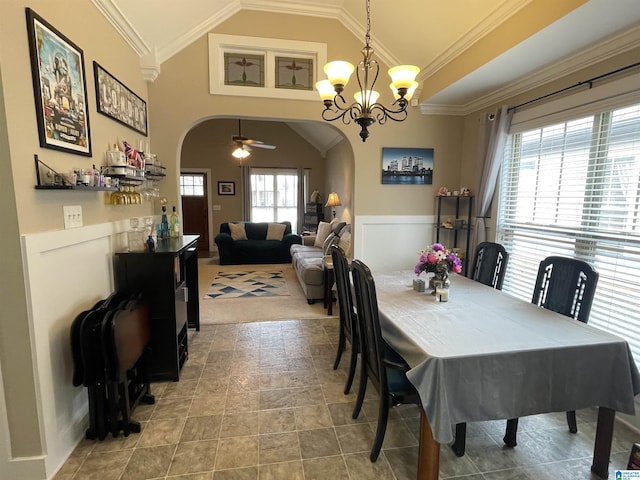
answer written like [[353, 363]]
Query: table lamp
[[333, 201]]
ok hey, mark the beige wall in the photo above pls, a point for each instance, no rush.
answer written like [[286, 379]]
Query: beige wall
[[340, 179], [28, 211], [179, 101]]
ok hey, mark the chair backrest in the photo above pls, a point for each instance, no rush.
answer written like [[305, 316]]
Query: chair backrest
[[490, 264], [565, 285], [343, 287], [371, 344]]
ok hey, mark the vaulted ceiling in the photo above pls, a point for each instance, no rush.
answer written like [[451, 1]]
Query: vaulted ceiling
[[471, 52]]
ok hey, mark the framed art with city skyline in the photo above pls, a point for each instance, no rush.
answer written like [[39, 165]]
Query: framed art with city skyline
[[407, 166]]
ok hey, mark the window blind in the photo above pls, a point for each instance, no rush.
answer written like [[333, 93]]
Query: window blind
[[572, 188]]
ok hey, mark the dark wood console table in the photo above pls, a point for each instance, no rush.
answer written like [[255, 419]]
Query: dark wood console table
[[168, 278]]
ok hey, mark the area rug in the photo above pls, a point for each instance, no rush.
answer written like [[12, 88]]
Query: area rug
[[248, 283]]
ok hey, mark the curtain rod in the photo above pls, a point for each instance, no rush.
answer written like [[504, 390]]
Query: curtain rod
[[579, 84]]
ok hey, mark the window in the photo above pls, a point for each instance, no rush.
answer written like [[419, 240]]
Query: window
[[192, 184], [274, 195], [573, 189]]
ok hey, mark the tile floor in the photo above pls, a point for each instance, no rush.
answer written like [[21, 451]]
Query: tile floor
[[261, 401]]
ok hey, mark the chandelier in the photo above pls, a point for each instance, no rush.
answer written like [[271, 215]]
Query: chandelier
[[366, 110]]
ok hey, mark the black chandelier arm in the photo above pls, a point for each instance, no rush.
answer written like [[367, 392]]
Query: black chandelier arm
[[382, 113], [345, 114]]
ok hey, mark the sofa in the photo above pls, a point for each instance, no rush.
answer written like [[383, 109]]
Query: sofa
[[307, 257], [255, 242]]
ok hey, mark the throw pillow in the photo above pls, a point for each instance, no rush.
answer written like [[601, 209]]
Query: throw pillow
[[337, 226], [345, 242], [331, 239], [324, 229], [237, 231], [275, 231]]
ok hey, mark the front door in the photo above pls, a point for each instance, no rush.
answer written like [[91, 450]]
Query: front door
[[195, 207]]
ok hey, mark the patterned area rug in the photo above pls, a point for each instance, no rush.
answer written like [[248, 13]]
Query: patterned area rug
[[248, 284]]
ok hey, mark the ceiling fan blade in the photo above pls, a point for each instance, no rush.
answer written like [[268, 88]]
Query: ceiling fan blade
[[263, 145]]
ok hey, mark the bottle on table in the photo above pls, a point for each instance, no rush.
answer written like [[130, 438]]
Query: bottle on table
[[174, 223], [164, 224]]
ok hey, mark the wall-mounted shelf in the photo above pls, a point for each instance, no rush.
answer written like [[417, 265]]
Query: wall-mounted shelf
[[84, 188]]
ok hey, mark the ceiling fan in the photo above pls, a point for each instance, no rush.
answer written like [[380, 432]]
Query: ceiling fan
[[244, 144]]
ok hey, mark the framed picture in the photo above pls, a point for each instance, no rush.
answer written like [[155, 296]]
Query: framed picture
[[226, 188], [116, 101], [59, 87], [407, 166], [294, 73]]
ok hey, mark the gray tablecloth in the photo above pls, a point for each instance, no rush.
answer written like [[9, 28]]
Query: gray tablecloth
[[485, 355]]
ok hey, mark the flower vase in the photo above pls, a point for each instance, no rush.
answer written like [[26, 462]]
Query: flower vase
[[439, 280]]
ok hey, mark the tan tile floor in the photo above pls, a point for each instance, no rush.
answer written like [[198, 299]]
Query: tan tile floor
[[261, 401]]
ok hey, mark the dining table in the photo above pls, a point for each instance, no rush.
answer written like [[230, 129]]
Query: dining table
[[487, 355]]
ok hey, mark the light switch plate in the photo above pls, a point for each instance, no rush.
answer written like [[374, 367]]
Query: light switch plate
[[72, 216], [217, 207]]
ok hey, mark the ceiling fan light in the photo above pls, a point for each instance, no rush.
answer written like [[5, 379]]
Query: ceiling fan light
[[410, 91], [403, 76], [338, 72], [325, 90], [240, 153], [371, 97]]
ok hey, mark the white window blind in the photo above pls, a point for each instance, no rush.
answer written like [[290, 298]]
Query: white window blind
[[573, 189]]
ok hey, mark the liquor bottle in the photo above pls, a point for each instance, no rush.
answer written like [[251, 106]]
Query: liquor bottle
[[174, 223], [164, 224]]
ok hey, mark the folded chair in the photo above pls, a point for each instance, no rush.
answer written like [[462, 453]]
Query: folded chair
[[380, 364], [348, 320]]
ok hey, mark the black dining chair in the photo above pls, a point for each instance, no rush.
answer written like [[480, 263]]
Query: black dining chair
[[380, 364], [348, 328], [488, 267], [489, 264], [566, 286]]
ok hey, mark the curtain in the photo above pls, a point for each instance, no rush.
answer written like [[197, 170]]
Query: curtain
[[493, 136], [245, 181]]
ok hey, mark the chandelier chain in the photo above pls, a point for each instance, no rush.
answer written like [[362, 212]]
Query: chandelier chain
[[367, 36]]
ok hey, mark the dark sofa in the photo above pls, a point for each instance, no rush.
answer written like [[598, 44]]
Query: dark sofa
[[256, 248]]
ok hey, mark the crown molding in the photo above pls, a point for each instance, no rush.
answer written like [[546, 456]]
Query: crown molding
[[292, 8], [115, 16], [609, 48], [150, 66]]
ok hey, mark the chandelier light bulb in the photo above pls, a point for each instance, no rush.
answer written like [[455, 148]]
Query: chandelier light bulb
[[407, 96]]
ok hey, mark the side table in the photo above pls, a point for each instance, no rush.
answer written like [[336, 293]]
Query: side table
[[327, 269]]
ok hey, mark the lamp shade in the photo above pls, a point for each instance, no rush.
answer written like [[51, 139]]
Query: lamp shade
[[338, 72], [403, 76], [333, 200], [371, 97], [325, 90]]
